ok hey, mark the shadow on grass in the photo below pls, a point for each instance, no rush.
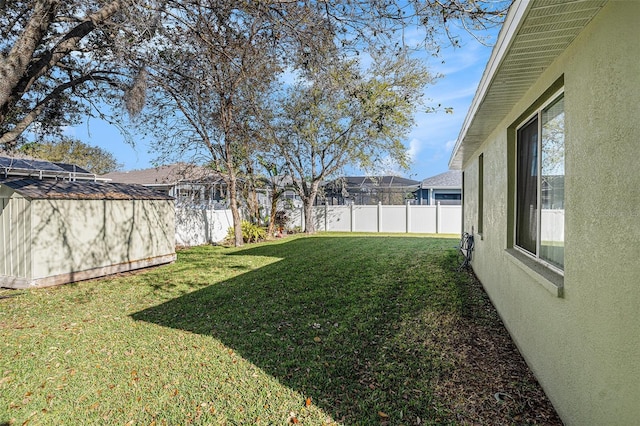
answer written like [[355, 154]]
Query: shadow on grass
[[333, 320]]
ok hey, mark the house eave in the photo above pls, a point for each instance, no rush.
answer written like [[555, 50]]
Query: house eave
[[534, 34]]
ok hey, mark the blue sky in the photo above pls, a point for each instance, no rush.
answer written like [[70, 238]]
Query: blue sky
[[429, 143]]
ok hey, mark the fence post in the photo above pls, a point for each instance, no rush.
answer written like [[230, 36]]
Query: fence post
[[408, 218], [352, 221], [302, 219], [326, 210], [379, 215], [438, 218]]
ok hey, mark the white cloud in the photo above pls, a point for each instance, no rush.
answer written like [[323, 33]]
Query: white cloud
[[414, 149], [450, 144]]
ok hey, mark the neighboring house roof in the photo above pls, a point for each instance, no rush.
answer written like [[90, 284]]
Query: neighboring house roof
[[166, 175], [375, 181], [534, 34], [449, 179], [10, 166], [50, 189]]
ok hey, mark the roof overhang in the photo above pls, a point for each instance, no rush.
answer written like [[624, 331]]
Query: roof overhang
[[534, 34]]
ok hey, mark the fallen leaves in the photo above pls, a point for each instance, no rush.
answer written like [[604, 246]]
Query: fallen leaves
[[293, 418]]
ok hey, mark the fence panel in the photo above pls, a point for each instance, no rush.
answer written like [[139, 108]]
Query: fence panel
[[319, 213], [365, 219], [423, 219], [201, 226], [393, 218], [296, 218], [339, 218], [449, 219]]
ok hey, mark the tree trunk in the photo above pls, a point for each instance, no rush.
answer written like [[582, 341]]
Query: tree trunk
[[235, 211], [308, 200], [275, 196], [309, 225]]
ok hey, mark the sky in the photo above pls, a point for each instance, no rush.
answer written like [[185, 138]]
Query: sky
[[429, 143]]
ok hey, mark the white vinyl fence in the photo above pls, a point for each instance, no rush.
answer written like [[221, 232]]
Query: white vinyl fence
[[401, 219], [197, 226]]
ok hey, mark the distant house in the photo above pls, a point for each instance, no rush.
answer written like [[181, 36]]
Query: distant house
[[365, 190], [289, 198], [187, 183], [60, 224], [445, 188], [552, 195]]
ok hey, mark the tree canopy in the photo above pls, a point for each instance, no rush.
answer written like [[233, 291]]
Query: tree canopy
[[343, 115], [58, 58], [72, 151]]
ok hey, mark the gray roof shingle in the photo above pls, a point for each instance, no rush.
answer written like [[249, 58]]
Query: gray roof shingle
[[375, 181], [49, 189], [165, 175], [450, 179]]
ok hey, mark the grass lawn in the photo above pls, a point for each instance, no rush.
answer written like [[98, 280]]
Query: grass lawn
[[328, 329]]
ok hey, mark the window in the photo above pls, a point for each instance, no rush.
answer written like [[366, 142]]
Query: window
[[441, 197], [540, 185]]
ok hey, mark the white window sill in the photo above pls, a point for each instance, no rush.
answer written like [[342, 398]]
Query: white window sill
[[547, 278]]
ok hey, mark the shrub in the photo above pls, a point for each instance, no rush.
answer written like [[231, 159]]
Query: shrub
[[251, 233]]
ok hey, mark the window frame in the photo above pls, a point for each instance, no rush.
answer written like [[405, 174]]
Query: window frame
[[536, 114]]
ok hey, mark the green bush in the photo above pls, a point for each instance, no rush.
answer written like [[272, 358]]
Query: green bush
[[251, 233]]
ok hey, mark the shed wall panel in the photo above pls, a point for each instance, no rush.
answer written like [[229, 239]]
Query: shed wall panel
[[15, 257], [78, 235]]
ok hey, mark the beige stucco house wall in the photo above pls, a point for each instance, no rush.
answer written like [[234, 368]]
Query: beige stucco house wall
[[578, 329], [58, 232]]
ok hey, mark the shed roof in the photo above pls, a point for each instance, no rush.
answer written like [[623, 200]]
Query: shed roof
[[534, 34], [449, 179], [170, 174], [37, 189]]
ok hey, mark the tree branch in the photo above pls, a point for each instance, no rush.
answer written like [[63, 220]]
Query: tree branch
[[9, 138]]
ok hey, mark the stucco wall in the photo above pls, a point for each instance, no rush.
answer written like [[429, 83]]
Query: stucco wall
[[583, 346], [77, 235]]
